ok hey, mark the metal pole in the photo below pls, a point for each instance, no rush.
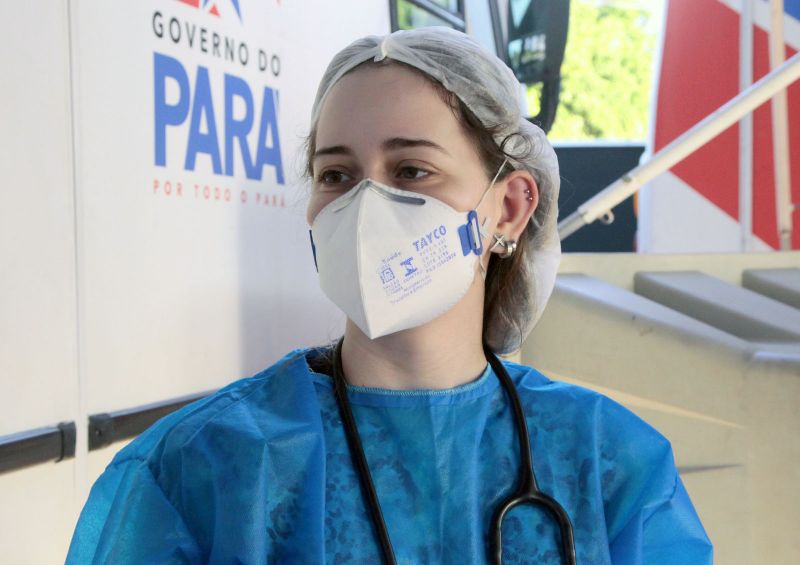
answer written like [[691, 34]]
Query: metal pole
[[697, 136], [746, 128], [780, 132]]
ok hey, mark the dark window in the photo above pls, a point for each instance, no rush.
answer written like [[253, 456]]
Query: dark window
[[410, 14]]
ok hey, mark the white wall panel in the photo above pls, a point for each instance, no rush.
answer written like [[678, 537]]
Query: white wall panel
[[38, 370], [37, 513], [675, 218], [37, 290]]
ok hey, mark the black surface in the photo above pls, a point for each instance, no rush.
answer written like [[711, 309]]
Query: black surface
[[107, 428], [535, 50], [33, 447], [585, 171], [56, 443]]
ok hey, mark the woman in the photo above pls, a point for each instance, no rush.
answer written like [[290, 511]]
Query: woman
[[433, 218]]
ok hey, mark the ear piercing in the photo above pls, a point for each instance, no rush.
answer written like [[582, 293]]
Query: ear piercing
[[528, 192], [509, 245]]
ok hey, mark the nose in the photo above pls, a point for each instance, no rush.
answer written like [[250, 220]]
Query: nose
[[376, 174]]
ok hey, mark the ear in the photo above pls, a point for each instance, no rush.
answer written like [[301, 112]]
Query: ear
[[520, 199]]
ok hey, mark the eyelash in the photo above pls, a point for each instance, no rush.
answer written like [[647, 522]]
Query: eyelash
[[321, 177], [323, 174], [426, 171]]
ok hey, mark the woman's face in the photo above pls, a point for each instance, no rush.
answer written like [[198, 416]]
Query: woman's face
[[388, 123]]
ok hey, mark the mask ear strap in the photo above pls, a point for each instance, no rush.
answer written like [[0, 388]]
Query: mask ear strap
[[491, 184], [482, 227]]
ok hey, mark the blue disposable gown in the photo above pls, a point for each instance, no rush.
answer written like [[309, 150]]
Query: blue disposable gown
[[260, 472]]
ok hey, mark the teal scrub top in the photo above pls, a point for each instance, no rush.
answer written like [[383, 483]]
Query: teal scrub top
[[260, 472]]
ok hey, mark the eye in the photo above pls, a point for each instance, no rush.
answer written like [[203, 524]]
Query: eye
[[333, 177], [412, 173]]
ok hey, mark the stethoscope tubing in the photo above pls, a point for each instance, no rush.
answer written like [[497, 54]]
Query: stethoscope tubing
[[527, 491], [359, 459]]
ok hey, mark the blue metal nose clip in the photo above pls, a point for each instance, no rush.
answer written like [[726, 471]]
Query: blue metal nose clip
[[470, 234]]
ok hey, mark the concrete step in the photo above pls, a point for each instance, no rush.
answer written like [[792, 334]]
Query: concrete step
[[730, 308], [782, 285]]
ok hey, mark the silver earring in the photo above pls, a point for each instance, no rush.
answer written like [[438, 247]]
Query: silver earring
[[528, 192], [509, 245]]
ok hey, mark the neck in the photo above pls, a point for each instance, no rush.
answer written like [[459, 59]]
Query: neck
[[444, 353]]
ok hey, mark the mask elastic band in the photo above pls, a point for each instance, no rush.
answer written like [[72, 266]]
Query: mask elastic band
[[482, 227], [491, 184]]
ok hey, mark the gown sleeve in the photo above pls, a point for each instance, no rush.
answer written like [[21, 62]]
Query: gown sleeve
[[651, 519], [129, 519], [663, 532]]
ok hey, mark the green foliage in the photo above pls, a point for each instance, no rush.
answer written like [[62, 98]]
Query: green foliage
[[410, 16], [606, 75]]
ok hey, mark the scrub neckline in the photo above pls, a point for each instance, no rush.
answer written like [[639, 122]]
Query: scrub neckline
[[485, 383]]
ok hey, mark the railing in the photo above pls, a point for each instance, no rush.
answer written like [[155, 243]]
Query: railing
[[34, 447], [715, 123], [54, 444]]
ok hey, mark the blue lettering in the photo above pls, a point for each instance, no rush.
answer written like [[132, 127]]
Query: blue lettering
[[167, 114], [200, 142], [236, 87], [267, 150], [268, 154]]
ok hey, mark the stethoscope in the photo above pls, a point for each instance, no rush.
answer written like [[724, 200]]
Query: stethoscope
[[527, 490]]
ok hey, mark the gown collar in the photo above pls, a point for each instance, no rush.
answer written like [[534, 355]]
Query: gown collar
[[484, 384]]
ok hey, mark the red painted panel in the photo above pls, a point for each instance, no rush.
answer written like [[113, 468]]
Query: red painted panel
[[699, 73]]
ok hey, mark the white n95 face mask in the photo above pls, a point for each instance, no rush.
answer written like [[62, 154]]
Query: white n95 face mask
[[392, 259]]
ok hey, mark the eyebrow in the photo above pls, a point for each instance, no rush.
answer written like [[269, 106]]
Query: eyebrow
[[403, 142], [388, 145]]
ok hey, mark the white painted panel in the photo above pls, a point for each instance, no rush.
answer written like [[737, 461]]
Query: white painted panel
[[38, 371], [761, 18], [37, 290], [37, 513], [675, 218]]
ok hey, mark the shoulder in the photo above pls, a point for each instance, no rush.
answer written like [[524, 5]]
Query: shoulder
[[631, 462], [626, 450], [171, 477], [580, 405], [277, 388]]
